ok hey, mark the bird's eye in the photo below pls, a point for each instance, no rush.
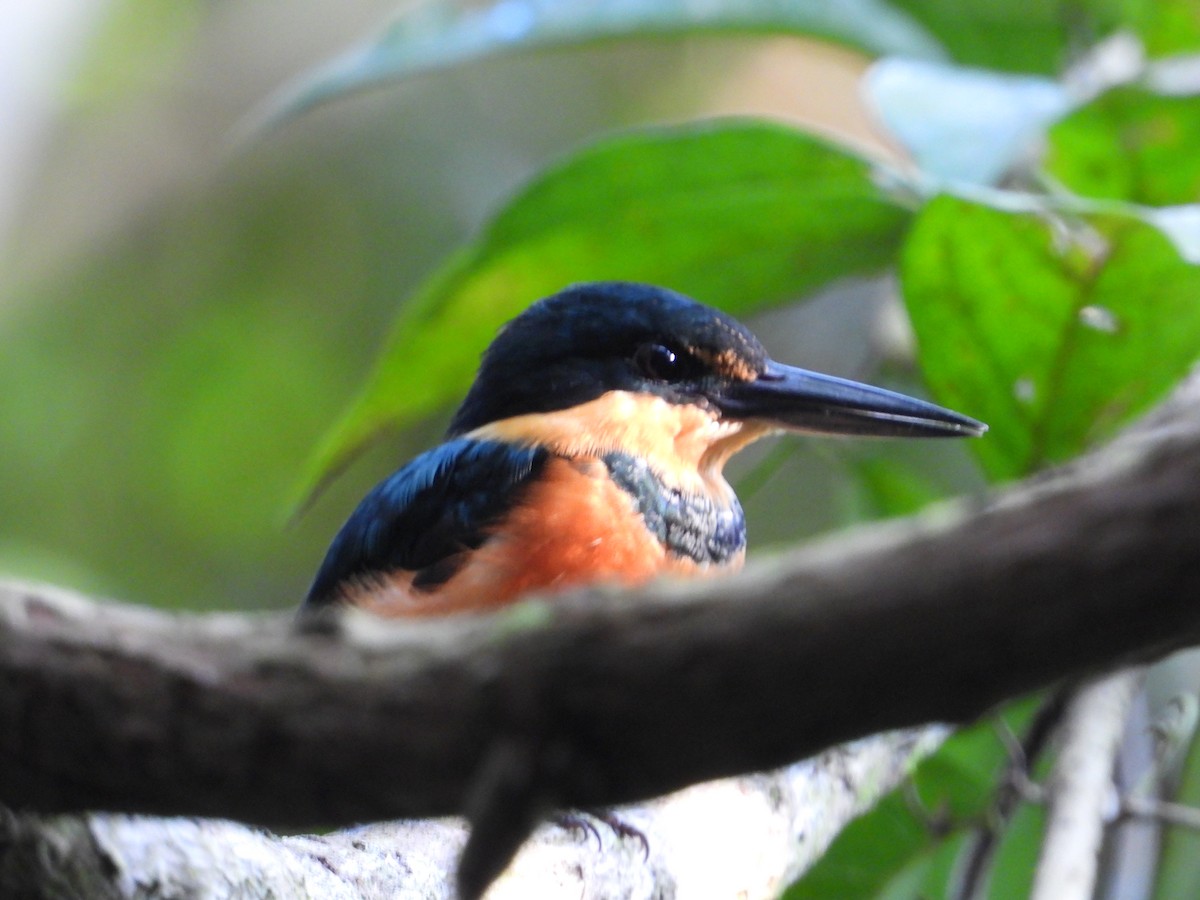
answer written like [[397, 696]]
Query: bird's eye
[[657, 361]]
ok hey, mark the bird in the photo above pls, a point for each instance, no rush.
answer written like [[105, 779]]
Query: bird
[[590, 449]]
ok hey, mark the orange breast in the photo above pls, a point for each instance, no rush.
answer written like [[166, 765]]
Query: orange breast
[[573, 527]]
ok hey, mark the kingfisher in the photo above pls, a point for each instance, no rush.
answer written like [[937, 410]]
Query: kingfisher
[[590, 449]]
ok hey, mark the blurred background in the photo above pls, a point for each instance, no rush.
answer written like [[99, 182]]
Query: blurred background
[[184, 312]]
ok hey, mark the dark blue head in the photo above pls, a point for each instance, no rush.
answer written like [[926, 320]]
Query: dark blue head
[[608, 336], [591, 339]]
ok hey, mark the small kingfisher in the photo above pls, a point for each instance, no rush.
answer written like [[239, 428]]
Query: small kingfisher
[[590, 449]]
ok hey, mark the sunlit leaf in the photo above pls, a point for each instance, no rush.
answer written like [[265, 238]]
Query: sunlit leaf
[[1017, 37], [1052, 338], [734, 214], [439, 35], [1178, 224], [1167, 26], [1133, 145]]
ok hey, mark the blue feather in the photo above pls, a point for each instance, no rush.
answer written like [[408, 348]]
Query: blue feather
[[423, 517]]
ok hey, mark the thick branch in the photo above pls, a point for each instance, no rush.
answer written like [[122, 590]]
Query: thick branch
[[607, 699]]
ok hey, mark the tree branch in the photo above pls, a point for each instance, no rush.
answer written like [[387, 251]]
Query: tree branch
[[747, 836], [601, 698], [1081, 787]]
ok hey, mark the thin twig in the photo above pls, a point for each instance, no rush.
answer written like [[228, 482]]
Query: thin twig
[[1081, 787]]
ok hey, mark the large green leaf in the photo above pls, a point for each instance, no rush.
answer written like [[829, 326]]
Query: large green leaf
[[440, 35], [1130, 144], [1036, 36], [737, 214], [1052, 341]]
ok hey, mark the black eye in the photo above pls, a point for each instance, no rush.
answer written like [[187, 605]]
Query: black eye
[[657, 361]]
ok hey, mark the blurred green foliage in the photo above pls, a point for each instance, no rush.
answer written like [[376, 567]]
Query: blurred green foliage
[[159, 380], [165, 386], [909, 845]]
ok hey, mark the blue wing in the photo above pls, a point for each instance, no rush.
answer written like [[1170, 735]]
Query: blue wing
[[422, 518]]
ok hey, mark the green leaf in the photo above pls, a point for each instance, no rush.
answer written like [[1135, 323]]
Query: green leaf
[[1035, 36], [439, 35], [1167, 26], [736, 214], [898, 847], [868, 854], [1130, 144], [1015, 861], [1053, 342]]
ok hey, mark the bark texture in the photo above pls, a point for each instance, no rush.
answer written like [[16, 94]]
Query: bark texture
[[747, 836]]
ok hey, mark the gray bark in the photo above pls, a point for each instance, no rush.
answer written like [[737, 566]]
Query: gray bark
[[746, 836]]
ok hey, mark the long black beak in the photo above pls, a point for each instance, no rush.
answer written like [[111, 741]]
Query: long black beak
[[809, 401]]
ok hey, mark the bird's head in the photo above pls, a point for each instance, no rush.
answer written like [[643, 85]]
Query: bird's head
[[617, 365]]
